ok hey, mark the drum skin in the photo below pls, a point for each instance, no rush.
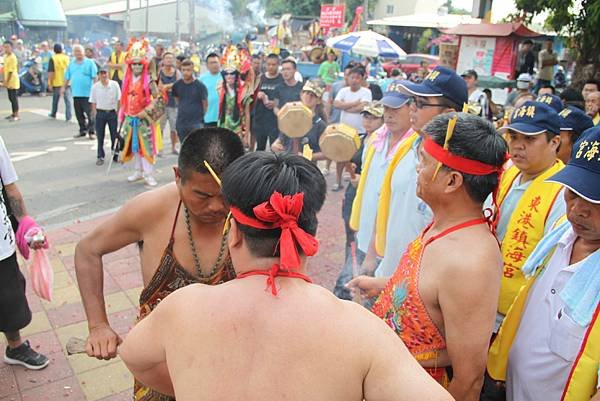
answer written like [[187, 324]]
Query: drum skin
[[339, 142], [294, 119]]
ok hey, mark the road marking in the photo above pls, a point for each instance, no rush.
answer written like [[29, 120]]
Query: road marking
[[45, 112], [19, 156], [56, 149]]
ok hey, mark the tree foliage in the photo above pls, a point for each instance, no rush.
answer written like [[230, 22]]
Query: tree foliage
[[580, 26]]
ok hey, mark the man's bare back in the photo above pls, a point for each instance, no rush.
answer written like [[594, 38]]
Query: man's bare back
[[304, 344]]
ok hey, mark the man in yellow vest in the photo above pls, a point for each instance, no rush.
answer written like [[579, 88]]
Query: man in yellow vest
[[11, 80], [528, 205], [548, 347], [56, 78], [116, 63]]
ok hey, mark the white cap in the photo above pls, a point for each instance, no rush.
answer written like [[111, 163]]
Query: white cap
[[525, 77]]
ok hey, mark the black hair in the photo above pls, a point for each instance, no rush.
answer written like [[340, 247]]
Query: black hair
[[57, 48], [287, 60], [165, 54], [223, 105], [219, 147], [360, 70], [444, 101], [187, 63], [550, 87], [528, 42], [273, 56], [487, 91], [256, 57], [572, 97], [7, 42], [210, 55], [592, 81], [180, 58], [474, 138], [350, 66], [252, 179]]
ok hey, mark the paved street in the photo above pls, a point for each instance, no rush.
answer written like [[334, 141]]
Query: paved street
[[70, 195]]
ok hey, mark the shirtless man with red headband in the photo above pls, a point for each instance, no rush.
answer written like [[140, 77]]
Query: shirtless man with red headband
[[441, 300], [242, 341]]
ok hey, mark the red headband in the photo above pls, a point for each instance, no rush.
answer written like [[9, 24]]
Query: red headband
[[282, 212], [458, 163]]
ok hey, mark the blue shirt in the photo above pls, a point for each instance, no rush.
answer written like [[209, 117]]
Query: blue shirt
[[408, 215], [45, 56], [211, 82], [81, 77]]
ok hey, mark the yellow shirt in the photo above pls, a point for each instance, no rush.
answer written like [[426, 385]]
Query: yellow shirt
[[60, 62], [121, 60], [10, 65], [596, 119]]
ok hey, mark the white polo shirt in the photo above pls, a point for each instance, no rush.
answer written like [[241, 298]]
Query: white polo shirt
[[408, 214], [548, 339], [106, 97]]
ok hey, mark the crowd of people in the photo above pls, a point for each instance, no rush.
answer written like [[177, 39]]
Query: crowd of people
[[472, 243]]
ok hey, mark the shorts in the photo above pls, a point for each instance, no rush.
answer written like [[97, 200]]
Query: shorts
[[14, 309], [170, 116]]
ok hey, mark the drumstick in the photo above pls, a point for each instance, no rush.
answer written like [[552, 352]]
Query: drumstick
[[212, 172], [356, 297]]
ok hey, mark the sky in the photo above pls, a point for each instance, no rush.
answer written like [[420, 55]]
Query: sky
[[500, 8]]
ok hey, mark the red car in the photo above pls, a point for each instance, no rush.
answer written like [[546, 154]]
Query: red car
[[411, 63]]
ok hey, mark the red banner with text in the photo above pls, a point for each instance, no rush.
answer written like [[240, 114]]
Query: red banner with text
[[332, 16]]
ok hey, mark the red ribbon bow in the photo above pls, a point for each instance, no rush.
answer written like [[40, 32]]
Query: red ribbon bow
[[282, 212]]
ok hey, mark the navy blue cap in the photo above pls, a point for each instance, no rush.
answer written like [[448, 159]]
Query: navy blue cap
[[582, 173], [574, 119], [442, 81], [394, 96], [533, 118], [552, 101]]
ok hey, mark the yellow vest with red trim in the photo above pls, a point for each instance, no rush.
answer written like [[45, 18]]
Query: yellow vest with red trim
[[525, 228], [583, 378]]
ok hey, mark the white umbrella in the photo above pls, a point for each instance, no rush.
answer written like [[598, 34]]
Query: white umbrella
[[366, 43]]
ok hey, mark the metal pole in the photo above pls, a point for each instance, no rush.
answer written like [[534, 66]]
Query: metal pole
[[128, 19], [147, 14], [365, 15], [192, 27], [177, 21]]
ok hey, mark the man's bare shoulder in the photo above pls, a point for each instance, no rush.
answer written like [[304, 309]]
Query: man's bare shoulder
[[472, 251], [149, 206]]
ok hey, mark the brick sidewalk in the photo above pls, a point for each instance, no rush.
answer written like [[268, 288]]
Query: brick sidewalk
[[80, 378]]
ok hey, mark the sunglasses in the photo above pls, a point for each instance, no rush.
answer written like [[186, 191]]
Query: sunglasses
[[228, 74], [420, 104], [136, 64]]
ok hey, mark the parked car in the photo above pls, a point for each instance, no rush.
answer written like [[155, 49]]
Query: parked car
[[411, 63]]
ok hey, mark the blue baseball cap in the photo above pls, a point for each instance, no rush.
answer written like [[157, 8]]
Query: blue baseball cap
[[533, 118], [442, 81], [394, 96], [574, 119], [552, 101], [582, 173]]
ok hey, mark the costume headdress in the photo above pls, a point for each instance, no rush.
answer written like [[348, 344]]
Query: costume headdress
[[282, 212], [137, 51], [236, 59]]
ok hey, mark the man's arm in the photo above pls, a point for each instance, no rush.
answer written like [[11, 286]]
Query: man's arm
[[123, 228], [469, 306], [15, 201], [144, 348], [394, 375]]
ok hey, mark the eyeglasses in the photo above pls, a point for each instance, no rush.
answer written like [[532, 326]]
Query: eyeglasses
[[136, 64], [228, 74], [419, 104]]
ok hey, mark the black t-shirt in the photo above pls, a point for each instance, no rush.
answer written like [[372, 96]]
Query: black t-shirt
[[311, 138], [189, 110], [267, 85], [285, 93], [376, 93]]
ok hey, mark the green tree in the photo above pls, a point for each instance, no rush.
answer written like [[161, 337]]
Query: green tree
[[579, 22]]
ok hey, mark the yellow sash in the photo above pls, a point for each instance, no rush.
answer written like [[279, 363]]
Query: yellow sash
[[385, 196], [357, 203], [583, 378], [402, 150], [525, 228]]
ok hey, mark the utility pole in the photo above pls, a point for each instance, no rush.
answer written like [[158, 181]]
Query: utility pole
[[192, 26], [147, 15], [365, 15], [128, 19], [177, 20]]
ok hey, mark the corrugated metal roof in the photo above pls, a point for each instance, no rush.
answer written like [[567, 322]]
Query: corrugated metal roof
[[484, 29]]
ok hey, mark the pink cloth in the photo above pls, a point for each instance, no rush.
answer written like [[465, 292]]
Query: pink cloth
[[27, 227], [41, 276]]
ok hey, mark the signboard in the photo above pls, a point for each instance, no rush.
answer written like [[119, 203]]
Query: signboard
[[476, 53], [332, 16], [449, 55]]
